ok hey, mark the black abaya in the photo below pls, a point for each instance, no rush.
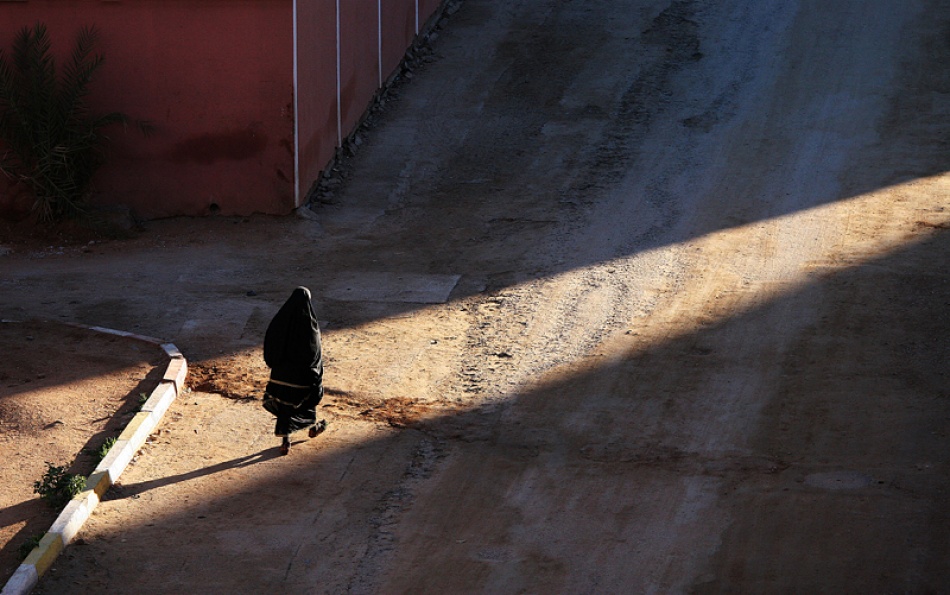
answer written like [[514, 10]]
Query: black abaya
[[293, 352]]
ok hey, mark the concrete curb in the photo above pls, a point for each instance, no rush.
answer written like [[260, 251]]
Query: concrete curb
[[71, 519]]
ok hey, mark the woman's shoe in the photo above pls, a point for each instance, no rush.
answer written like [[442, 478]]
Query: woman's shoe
[[318, 428], [285, 446]]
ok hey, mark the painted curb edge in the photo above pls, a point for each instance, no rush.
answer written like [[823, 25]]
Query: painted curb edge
[[107, 472]]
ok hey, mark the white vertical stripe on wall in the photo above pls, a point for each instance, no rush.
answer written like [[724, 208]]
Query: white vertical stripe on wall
[[417, 17], [296, 115], [339, 74]]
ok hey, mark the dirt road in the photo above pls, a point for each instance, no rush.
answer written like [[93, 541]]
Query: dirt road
[[622, 296]]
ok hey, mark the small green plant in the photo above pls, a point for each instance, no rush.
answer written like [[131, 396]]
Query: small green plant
[[58, 487], [103, 450], [143, 398], [29, 545], [52, 142]]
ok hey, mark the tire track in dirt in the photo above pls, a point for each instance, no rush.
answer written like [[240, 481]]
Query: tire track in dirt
[[520, 334]]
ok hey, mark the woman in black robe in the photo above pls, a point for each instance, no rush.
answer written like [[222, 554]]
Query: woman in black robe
[[293, 352]]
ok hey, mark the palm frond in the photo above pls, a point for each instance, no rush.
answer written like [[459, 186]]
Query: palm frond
[[37, 76], [53, 142], [77, 74]]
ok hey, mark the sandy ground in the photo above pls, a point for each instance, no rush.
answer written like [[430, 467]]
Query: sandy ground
[[619, 296], [63, 392]]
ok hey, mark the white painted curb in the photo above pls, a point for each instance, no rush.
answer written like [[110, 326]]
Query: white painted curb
[[71, 519]]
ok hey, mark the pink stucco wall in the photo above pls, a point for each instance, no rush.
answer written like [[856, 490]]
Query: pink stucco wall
[[317, 99], [217, 81], [359, 64], [399, 17]]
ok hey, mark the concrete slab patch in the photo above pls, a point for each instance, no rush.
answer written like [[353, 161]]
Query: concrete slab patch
[[413, 288], [839, 480], [218, 318], [339, 220]]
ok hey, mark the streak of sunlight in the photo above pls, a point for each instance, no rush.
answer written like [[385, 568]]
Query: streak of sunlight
[[721, 275]]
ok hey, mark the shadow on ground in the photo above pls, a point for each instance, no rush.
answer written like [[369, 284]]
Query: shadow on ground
[[841, 466]]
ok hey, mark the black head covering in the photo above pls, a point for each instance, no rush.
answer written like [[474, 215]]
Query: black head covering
[[292, 341]]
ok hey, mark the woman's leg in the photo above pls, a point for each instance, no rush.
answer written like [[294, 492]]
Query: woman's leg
[[282, 427], [282, 430]]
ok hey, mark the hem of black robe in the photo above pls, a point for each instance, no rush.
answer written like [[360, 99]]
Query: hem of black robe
[[300, 420]]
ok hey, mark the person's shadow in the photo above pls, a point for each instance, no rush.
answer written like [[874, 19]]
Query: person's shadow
[[120, 491]]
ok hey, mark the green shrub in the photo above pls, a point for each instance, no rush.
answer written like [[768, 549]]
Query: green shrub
[[142, 399], [52, 142], [103, 450], [28, 546], [58, 487]]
